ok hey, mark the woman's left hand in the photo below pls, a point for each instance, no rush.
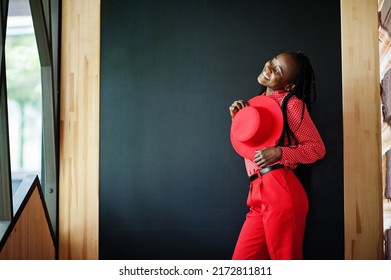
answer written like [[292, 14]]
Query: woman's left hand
[[267, 156]]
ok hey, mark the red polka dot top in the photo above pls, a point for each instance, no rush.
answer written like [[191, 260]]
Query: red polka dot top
[[309, 147]]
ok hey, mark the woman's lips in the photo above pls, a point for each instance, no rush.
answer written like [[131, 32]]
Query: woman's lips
[[265, 75]]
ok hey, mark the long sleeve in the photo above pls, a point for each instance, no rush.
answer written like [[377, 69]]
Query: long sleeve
[[310, 147]]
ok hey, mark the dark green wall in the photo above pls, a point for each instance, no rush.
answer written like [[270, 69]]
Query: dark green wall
[[171, 185]]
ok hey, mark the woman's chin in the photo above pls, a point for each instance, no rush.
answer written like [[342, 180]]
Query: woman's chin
[[261, 81]]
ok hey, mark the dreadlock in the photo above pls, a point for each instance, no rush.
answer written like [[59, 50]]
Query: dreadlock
[[304, 85]]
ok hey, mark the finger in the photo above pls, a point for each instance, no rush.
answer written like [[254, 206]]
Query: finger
[[258, 162], [233, 112], [243, 103], [240, 104], [258, 156], [237, 105], [262, 163]]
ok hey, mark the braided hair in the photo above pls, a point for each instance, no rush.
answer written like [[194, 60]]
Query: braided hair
[[304, 85]]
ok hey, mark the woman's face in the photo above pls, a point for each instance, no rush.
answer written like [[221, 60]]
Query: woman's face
[[279, 73]]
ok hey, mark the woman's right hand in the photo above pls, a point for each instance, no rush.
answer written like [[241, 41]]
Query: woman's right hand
[[236, 106]]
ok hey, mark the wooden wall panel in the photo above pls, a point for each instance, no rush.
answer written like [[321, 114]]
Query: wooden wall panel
[[30, 238], [361, 121], [79, 130]]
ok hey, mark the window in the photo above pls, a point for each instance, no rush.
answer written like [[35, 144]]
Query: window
[[29, 89], [23, 92]]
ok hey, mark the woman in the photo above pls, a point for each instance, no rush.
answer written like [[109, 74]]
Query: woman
[[275, 224]]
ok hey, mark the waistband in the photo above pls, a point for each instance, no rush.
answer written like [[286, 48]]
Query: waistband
[[265, 170]]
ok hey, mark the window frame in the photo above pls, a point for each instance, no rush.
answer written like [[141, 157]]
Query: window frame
[[5, 164], [46, 22]]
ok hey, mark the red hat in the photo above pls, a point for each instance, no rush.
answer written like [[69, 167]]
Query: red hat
[[256, 126]]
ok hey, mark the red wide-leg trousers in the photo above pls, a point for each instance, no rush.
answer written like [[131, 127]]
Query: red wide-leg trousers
[[274, 226]]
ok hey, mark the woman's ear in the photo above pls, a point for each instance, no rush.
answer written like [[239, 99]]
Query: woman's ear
[[290, 87]]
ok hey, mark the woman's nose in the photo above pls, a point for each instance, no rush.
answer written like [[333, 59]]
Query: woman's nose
[[268, 66]]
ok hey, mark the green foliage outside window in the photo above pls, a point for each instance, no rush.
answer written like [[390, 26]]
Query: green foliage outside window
[[23, 83]]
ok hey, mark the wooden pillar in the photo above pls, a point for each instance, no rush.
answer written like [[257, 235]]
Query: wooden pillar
[[361, 128], [79, 130]]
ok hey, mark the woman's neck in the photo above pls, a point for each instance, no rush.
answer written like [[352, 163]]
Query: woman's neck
[[269, 91]]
